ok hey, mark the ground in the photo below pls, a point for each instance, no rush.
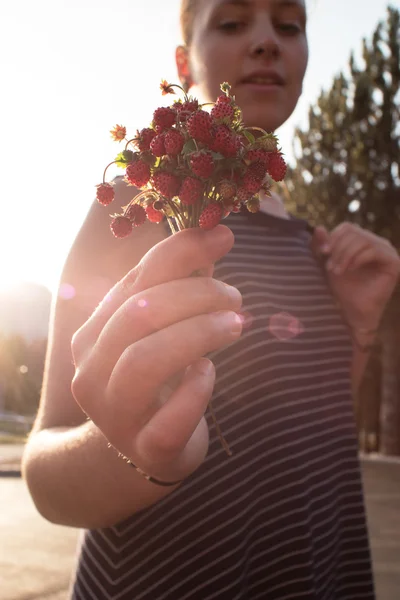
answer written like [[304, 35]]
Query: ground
[[36, 557]]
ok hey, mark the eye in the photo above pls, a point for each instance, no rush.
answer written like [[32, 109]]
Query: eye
[[289, 28], [231, 26]]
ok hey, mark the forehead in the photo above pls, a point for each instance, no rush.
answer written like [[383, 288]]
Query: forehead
[[204, 9], [211, 4]]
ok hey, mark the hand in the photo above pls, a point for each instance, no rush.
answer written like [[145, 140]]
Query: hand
[[363, 270], [152, 328]]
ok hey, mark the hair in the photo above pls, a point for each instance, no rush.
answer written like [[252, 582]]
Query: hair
[[187, 14]]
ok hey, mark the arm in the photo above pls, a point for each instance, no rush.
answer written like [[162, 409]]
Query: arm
[[73, 476]]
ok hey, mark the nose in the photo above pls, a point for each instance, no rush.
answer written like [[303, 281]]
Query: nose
[[265, 42]]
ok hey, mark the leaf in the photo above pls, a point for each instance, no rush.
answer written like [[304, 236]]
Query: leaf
[[190, 146], [250, 137], [124, 158]]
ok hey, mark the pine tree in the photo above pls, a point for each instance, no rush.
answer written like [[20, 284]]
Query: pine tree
[[348, 169]]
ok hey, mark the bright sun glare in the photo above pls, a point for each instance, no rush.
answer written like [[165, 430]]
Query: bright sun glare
[[65, 90]]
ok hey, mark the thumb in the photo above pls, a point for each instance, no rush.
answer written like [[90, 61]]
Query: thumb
[[319, 241]]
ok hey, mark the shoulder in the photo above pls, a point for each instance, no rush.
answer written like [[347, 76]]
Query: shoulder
[[97, 253]]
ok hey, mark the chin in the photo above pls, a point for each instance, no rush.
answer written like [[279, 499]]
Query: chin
[[268, 118]]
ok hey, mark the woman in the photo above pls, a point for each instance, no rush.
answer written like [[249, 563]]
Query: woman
[[282, 517]]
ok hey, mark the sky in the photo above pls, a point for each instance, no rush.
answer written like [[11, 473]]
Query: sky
[[71, 70]]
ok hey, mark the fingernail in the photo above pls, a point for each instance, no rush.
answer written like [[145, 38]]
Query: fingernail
[[230, 320], [233, 292], [325, 249]]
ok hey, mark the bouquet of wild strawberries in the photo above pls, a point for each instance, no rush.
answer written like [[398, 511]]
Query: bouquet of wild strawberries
[[193, 167]]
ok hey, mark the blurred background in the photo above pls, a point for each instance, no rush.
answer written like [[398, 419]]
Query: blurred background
[[72, 69]]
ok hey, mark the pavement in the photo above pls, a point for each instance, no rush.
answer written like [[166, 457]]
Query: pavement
[[37, 558]]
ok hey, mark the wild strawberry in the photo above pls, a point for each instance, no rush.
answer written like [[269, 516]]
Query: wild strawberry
[[121, 226], [164, 118], [253, 205], [191, 190], [105, 193], [136, 214], [202, 164], [166, 183], [237, 207], [253, 177], [185, 109], [157, 145], [243, 194], [118, 133], [223, 99], [276, 166], [199, 126], [258, 155], [137, 173], [227, 190], [144, 137], [223, 110], [224, 141], [269, 142], [153, 215], [211, 216], [173, 142]]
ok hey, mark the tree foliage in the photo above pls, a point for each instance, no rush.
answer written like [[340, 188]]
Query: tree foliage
[[349, 157]]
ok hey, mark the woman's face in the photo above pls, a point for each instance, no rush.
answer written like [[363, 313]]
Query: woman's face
[[259, 47]]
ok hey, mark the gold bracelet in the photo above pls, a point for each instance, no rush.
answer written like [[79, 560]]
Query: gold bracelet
[[145, 475]]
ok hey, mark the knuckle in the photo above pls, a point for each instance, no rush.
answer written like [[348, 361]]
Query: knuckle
[[157, 445]]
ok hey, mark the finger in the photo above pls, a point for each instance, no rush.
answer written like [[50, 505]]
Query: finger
[[168, 433], [143, 368], [153, 310], [319, 242], [343, 251], [366, 257], [175, 257]]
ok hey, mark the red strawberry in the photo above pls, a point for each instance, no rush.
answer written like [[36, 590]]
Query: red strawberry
[[173, 141], [143, 138], [258, 155], [153, 215], [202, 164], [191, 190], [243, 194], [164, 118], [105, 193], [253, 177], [276, 166], [136, 214], [166, 183], [121, 226], [222, 110], [199, 126], [137, 173], [227, 190], [222, 99], [224, 141], [211, 216], [157, 145], [185, 109]]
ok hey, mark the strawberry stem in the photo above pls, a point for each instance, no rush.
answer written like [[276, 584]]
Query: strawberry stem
[[223, 441], [105, 170]]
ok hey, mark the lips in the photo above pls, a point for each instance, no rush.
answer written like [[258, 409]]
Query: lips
[[263, 77]]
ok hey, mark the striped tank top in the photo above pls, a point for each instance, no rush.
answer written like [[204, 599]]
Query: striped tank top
[[283, 518]]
